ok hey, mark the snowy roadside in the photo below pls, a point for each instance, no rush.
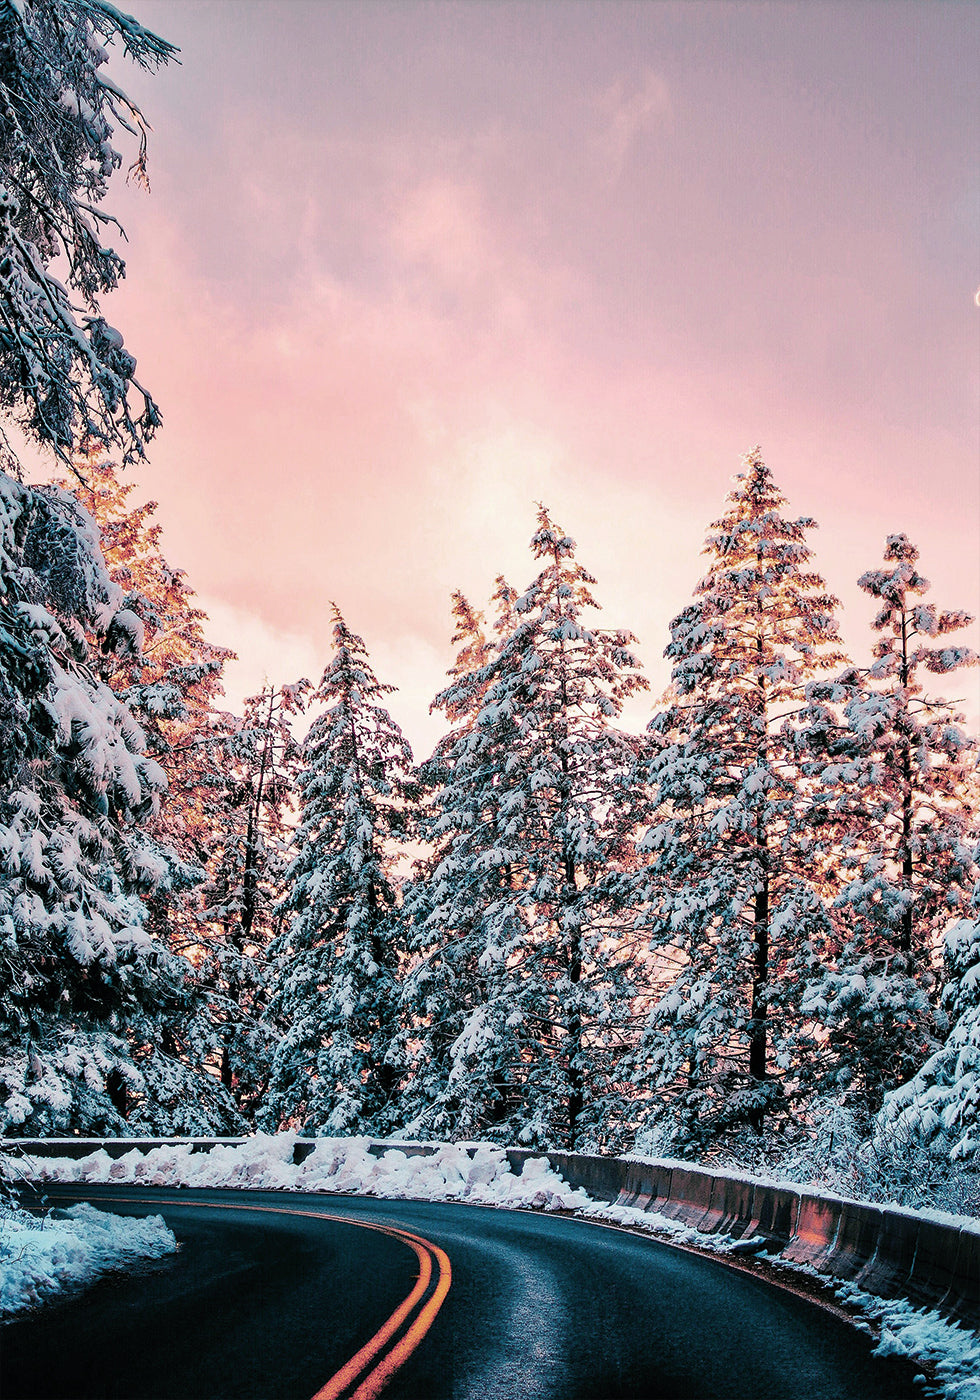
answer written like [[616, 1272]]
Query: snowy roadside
[[951, 1351], [479, 1174], [40, 1258]]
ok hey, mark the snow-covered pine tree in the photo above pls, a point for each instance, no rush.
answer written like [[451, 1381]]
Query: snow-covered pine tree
[[727, 895], [895, 766], [427, 1041], [473, 648], [460, 701], [64, 372], [173, 684], [335, 976], [939, 1108], [240, 914], [517, 977], [83, 986]]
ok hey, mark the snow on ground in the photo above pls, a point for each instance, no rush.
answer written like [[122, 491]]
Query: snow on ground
[[480, 1175], [41, 1257], [953, 1351], [336, 1165]]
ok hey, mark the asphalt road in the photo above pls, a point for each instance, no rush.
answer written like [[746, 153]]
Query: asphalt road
[[272, 1305]]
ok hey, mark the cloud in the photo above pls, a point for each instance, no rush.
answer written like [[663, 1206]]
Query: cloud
[[417, 670], [441, 224], [265, 653], [376, 349], [625, 116]]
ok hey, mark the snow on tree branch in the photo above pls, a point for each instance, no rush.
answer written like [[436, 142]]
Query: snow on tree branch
[[65, 373]]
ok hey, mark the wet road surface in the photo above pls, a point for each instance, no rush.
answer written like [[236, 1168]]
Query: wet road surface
[[267, 1304]]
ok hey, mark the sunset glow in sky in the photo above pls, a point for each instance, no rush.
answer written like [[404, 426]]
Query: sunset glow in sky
[[408, 268]]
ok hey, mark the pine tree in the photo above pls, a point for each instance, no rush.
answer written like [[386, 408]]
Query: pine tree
[[335, 980], [472, 654], [240, 912], [84, 986], [172, 682], [64, 372], [727, 895], [516, 978], [894, 763], [442, 981], [939, 1107], [223, 828], [460, 702]]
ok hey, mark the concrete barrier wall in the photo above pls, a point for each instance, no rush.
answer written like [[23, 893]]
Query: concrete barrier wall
[[113, 1147], [888, 1252], [891, 1253], [117, 1147]]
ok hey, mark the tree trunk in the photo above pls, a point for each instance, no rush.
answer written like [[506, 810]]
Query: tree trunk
[[905, 934], [758, 1023], [576, 1086], [118, 1094]]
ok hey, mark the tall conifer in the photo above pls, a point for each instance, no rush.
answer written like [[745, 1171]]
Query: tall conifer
[[172, 680], [240, 902], [85, 989], [727, 896], [894, 764], [516, 977], [335, 980]]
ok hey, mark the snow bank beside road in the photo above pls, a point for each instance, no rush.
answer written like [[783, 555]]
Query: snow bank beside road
[[40, 1258], [341, 1165]]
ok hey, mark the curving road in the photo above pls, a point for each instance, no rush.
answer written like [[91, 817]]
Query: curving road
[[274, 1297]]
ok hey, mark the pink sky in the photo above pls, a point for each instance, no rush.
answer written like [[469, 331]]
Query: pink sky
[[408, 268]]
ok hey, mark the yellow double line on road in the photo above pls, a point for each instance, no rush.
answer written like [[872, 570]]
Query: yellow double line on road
[[381, 1372], [376, 1362]]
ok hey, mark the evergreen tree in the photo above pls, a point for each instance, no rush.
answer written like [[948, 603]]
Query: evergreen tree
[[223, 828], [335, 979], [64, 372], [894, 766], [83, 986], [473, 649], [172, 682], [442, 981], [727, 895], [240, 914], [517, 978], [939, 1107]]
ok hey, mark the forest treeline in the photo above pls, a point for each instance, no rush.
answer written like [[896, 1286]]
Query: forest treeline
[[551, 931], [751, 928]]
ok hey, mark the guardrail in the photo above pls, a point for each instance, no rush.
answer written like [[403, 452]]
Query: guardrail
[[887, 1251]]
